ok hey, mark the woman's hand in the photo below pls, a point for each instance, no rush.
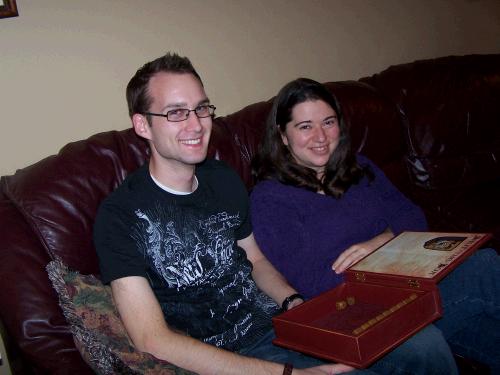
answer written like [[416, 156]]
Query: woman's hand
[[358, 251]]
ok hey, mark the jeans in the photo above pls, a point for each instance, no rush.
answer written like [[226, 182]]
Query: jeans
[[470, 296], [265, 349], [425, 353]]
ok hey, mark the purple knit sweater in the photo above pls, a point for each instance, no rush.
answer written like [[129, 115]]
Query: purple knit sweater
[[302, 232]]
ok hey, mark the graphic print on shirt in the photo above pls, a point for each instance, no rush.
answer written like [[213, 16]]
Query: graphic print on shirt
[[190, 257], [188, 250]]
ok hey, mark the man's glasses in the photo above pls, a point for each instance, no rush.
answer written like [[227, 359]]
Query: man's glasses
[[181, 114]]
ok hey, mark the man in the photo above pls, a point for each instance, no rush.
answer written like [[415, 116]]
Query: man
[[175, 242]]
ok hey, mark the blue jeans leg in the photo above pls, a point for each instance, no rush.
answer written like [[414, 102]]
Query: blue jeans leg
[[471, 308], [424, 353], [266, 350]]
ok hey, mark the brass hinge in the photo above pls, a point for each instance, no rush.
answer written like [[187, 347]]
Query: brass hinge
[[360, 276], [413, 283]]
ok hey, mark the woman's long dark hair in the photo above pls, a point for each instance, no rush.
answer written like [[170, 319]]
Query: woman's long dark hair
[[274, 160]]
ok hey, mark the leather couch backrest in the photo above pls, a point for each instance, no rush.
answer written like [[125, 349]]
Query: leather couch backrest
[[452, 111], [58, 197]]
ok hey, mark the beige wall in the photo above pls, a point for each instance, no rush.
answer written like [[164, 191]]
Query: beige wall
[[64, 64]]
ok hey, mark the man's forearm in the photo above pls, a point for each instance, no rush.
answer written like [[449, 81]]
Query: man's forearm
[[194, 355], [270, 281], [146, 326]]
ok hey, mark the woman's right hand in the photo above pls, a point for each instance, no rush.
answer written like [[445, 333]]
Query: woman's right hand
[[358, 251]]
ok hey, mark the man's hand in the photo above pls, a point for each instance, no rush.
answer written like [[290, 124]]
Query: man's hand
[[295, 302], [358, 251], [324, 370]]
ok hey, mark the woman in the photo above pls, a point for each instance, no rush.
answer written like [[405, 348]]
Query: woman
[[319, 208]]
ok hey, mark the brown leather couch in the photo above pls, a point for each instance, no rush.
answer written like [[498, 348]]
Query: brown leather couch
[[433, 126]]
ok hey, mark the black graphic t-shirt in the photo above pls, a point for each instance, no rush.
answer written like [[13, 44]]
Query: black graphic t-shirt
[[185, 246]]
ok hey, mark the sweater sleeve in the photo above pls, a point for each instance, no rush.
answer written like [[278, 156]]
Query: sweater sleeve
[[400, 213], [277, 228]]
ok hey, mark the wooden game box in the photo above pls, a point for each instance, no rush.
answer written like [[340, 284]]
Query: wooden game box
[[385, 298]]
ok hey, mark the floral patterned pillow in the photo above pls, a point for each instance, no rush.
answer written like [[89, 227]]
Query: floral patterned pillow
[[97, 329]]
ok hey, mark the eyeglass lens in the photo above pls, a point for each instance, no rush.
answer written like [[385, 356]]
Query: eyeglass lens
[[182, 114]]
